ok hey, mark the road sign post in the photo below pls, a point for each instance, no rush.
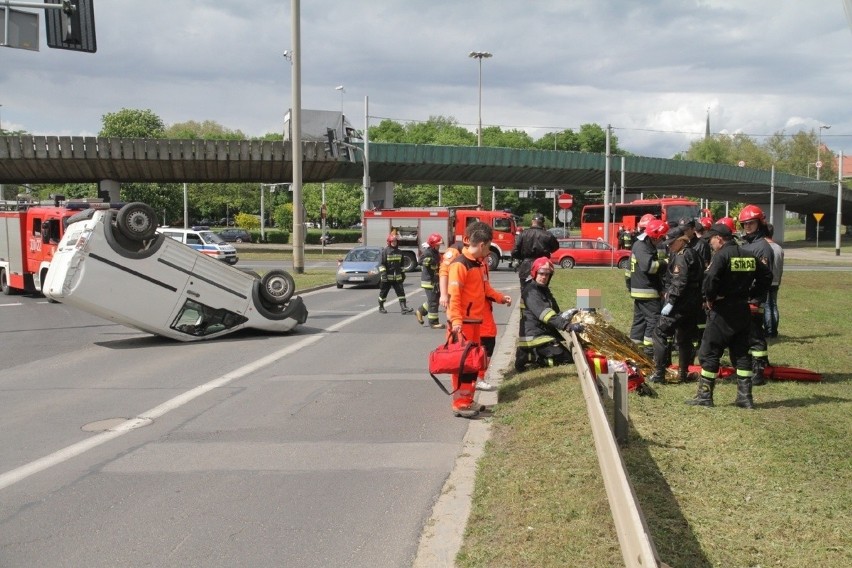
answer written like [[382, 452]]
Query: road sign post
[[818, 217]]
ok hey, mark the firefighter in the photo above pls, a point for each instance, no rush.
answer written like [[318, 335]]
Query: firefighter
[[734, 275], [646, 284], [391, 274], [539, 340], [682, 301], [535, 242], [625, 238], [702, 247], [753, 222], [430, 263]]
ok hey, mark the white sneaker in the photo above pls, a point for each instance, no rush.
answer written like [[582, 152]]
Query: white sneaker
[[484, 386]]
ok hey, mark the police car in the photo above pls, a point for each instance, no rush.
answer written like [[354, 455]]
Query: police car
[[115, 265], [203, 240]]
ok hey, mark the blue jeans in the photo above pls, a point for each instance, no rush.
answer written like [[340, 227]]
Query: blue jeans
[[770, 312]]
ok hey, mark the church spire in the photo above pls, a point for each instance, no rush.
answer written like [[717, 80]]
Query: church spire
[[707, 127]]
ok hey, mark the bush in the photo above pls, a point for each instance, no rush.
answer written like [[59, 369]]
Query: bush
[[340, 236], [276, 236]]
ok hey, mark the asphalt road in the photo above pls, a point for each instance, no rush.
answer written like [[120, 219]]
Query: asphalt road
[[325, 447]]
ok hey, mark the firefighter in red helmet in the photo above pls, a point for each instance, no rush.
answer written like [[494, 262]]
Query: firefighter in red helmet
[[430, 263], [646, 284], [391, 274], [754, 234], [539, 340]]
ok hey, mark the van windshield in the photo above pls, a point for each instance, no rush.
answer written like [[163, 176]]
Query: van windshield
[[197, 319], [209, 237]]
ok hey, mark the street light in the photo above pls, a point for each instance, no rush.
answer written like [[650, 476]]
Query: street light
[[819, 146], [480, 55], [342, 90]]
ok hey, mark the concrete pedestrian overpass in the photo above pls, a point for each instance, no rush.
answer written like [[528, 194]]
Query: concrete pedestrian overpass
[[66, 159]]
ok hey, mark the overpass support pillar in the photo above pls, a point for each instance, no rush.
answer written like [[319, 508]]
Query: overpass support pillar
[[381, 195], [111, 188], [779, 211]]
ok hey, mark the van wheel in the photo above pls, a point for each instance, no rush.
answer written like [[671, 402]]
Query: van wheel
[[567, 262], [137, 221], [277, 287]]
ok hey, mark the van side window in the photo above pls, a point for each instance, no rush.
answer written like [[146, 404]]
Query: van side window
[[193, 239]]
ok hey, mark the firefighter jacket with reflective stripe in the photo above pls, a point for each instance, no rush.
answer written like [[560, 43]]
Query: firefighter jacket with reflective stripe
[[468, 287], [535, 242], [734, 275], [391, 265], [540, 319], [646, 270], [683, 284], [430, 264]]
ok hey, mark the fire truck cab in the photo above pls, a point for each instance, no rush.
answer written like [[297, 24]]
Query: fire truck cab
[[413, 225], [29, 235]]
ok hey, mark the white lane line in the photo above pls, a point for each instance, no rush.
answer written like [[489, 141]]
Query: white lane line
[[20, 473], [7, 305]]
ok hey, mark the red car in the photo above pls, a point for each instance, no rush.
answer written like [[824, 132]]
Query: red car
[[589, 252]]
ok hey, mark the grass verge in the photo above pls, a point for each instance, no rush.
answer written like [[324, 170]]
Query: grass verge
[[719, 487]]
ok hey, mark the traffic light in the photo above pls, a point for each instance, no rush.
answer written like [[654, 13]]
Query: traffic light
[[72, 26], [331, 143]]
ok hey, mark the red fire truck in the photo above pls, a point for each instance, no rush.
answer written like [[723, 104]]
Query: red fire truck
[[413, 226], [29, 235], [627, 215]]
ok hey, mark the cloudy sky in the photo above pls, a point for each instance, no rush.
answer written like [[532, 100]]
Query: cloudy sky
[[650, 68]]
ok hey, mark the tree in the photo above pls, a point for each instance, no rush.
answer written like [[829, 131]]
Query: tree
[[207, 130], [132, 123]]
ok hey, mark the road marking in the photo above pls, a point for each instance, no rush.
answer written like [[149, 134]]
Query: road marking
[[7, 305], [20, 473]]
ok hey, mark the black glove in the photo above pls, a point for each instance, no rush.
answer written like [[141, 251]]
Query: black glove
[[575, 327]]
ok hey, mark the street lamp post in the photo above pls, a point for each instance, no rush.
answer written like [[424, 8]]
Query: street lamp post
[[271, 187], [819, 146], [480, 55]]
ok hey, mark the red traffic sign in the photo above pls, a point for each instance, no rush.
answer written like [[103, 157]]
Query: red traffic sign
[[565, 201]]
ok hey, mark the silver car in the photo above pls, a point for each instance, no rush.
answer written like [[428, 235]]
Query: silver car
[[360, 266]]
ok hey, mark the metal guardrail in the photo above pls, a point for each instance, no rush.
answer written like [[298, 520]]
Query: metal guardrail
[[637, 547]]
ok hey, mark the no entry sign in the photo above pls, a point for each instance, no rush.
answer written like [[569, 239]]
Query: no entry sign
[[565, 201]]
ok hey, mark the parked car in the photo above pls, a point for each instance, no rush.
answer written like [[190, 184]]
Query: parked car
[[589, 252], [360, 266], [116, 266], [203, 240], [235, 235]]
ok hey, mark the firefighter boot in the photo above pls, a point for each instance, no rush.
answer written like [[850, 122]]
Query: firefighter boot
[[405, 308], [658, 377], [744, 399], [704, 397], [684, 360], [418, 313], [758, 365], [382, 309]]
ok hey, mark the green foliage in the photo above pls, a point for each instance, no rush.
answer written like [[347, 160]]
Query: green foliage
[[207, 130], [283, 216], [132, 123], [277, 236], [246, 221], [343, 203]]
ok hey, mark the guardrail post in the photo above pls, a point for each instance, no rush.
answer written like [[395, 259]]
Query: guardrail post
[[619, 398]]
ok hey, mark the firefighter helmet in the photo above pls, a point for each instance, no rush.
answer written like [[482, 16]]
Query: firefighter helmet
[[434, 240], [706, 223], [657, 229], [646, 218], [542, 265], [751, 213], [393, 237], [728, 222]]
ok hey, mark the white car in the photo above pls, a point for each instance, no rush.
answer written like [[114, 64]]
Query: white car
[[204, 241], [116, 266]]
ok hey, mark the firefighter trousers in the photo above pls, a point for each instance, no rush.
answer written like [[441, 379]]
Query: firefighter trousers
[[727, 327]]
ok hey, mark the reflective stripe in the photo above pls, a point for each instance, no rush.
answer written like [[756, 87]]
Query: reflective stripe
[[644, 293], [709, 374], [535, 341], [759, 353], [743, 373]]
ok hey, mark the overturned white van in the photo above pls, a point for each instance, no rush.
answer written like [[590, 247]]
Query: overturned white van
[[114, 265]]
